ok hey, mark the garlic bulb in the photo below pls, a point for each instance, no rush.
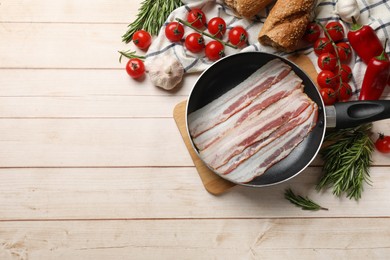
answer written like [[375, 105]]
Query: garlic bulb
[[165, 72], [346, 9]]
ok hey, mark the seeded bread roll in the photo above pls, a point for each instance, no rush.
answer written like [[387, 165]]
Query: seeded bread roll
[[247, 8], [286, 24]]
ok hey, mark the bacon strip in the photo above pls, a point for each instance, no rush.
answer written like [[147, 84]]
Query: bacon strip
[[255, 129], [272, 153], [276, 92], [254, 148], [237, 98]]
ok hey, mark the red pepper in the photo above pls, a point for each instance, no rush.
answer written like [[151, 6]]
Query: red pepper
[[364, 41], [376, 76], [388, 82]]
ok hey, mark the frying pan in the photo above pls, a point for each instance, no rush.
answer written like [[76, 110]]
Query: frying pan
[[228, 72]]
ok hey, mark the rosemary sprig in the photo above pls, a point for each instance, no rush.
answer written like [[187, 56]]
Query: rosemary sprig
[[303, 202], [347, 161], [151, 17], [129, 54]]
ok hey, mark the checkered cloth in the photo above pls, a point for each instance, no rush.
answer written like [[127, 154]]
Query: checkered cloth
[[375, 13]]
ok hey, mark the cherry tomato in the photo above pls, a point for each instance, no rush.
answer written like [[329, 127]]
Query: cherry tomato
[[327, 79], [312, 32], [214, 50], [345, 73], [135, 68], [327, 61], [194, 42], [196, 18], [238, 36], [344, 51], [328, 96], [174, 31], [217, 27], [323, 45], [335, 30], [142, 39], [344, 92], [382, 144]]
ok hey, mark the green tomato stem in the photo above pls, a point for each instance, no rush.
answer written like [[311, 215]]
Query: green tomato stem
[[205, 33], [335, 50], [382, 56]]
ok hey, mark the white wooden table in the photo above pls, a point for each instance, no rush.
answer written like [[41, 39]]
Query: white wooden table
[[93, 165]]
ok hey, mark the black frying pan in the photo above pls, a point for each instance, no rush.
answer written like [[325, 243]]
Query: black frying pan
[[230, 71]]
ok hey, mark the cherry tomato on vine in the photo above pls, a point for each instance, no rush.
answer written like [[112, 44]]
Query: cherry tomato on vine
[[196, 18], [174, 31], [217, 27], [327, 61], [323, 45], [345, 73], [335, 30], [194, 42], [135, 68], [142, 39], [214, 50], [344, 51], [327, 79], [328, 96], [344, 92], [238, 36], [312, 32], [382, 144]]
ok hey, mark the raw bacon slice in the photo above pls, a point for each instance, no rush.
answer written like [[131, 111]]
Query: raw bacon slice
[[237, 98], [255, 129], [249, 151], [272, 153], [272, 95]]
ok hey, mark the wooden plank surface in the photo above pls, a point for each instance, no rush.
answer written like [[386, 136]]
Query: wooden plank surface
[[69, 11], [96, 45], [89, 106], [178, 239], [92, 142], [155, 193], [92, 165], [82, 83]]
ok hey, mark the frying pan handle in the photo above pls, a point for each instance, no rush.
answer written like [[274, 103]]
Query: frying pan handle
[[355, 113]]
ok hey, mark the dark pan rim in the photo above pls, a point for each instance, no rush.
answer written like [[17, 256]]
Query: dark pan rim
[[318, 131]]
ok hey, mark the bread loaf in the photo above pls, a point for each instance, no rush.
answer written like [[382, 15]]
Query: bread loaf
[[247, 8], [286, 24]]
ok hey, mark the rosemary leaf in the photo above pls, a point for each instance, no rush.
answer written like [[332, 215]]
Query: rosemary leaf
[[151, 16], [347, 161], [130, 54], [303, 202]]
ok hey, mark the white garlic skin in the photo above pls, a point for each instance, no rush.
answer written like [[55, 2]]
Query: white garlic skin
[[346, 9], [165, 72]]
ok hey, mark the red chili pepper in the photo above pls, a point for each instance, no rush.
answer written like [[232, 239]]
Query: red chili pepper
[[364, 41], [376, 76]]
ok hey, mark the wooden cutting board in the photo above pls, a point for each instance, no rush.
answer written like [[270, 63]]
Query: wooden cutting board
[[211, 181]]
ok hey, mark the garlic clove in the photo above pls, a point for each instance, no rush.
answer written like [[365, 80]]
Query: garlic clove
[[165, 72], [346, 9]]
